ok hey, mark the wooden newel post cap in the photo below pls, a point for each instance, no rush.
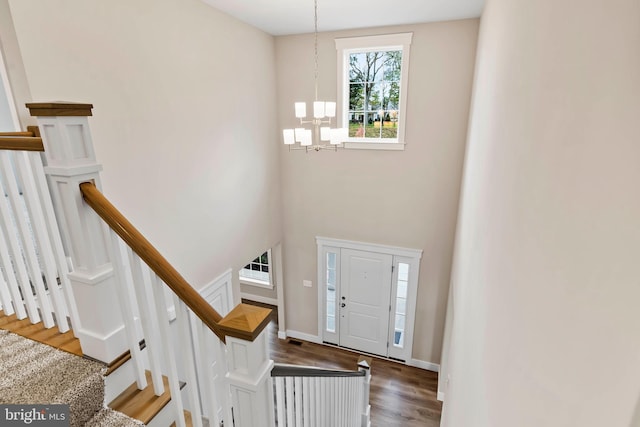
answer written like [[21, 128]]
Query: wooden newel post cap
[[59, 108], [245, 322]]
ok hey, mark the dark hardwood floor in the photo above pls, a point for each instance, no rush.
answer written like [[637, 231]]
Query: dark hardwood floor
[[401, 395]]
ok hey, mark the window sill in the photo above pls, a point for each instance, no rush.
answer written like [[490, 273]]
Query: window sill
[[390, 146], [255, 282]]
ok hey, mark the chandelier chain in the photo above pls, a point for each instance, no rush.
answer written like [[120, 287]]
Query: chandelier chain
[[315, 20]]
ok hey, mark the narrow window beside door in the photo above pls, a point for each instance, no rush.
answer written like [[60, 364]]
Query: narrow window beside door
[[401, 304], [331, 291]]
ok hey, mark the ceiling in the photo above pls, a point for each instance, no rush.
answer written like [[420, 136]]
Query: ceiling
[[283, 17]]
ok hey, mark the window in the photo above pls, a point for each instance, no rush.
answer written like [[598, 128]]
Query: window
[[372, 89], [331, 291], [257, 272], [402, 284]]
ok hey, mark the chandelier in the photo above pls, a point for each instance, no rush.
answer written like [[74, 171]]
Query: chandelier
[[322, 137]]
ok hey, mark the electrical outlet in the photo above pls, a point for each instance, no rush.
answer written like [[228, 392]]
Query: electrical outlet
[[307, 283]]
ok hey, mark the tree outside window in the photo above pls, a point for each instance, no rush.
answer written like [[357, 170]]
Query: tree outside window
[[374, 94]]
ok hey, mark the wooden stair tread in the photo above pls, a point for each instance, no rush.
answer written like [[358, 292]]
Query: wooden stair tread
[[142, 405], [37, 332], [187, 419]]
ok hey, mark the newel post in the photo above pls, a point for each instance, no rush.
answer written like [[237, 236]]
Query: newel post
[[363, 366], [70, 160], [249, 366]]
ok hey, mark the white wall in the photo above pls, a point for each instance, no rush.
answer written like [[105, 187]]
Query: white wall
[[407, 198], [184, 119], [546, 272]]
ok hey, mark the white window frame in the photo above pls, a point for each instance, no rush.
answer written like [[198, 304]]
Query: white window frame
[[349, 45], [256, 282]]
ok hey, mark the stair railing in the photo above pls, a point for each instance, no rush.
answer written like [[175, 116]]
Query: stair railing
[[115, 266], [143, 272], [33, 269], [310, 396]]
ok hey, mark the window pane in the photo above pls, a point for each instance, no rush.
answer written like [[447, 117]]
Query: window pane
[[331, 279], [331, 260], [357, 66], [402, 289], [331, 324], [401, 306], [356, 96], [398, 339], [392, 93], [400, 322], [403, 271]]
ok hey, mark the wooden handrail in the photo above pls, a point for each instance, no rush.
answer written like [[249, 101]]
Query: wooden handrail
[[285, 370], [21, 143], [150, 255], [22, 133]]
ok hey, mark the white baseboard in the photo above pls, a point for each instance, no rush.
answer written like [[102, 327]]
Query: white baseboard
[[282, 335], [258, 298], [302, 336], [440, 396], [417, 363]]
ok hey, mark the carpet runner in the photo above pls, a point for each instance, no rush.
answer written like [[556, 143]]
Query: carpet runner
[[33, 373]]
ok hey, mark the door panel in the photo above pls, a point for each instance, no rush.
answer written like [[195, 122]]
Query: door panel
[[364, 300]]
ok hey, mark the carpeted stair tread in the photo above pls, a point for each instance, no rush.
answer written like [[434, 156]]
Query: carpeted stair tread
[[35, 373]]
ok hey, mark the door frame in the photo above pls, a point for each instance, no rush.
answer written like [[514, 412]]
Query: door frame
[[400, 255]]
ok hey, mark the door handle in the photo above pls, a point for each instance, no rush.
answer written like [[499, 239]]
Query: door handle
[[343, 305]]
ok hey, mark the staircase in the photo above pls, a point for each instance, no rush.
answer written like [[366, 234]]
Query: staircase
[[167, 356], [36, 373]]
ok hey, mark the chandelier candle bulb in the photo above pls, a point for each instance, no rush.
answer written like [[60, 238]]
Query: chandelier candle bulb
[[306, 138], [330, 109], [289, 136], [325, 133], [338, 136], [318, 109], [301, 110]]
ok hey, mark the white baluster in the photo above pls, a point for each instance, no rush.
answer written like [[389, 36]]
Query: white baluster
[[202, 339], [306, 388], [142, 285], [8, 270], [280, 402], [5, 296], [288, 385], [9, 187], [163, 324], [298, 397], [39, 230], [182, 316], [322, 405], [127, 301]]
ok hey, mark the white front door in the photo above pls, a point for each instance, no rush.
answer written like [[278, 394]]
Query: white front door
[[364, 300]]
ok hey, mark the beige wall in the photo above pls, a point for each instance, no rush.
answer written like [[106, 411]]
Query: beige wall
[[546, 291], [407, 198], [13, 63], [184, 119]]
